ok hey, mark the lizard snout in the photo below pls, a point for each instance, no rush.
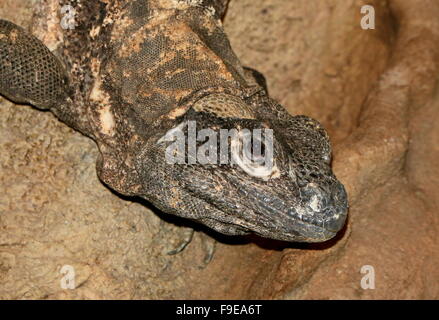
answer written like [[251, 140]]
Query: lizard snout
[[324, 207]]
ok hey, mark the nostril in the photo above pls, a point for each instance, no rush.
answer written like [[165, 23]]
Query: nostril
[[327, 204], [324, 200], [315, 198], [315, 203]]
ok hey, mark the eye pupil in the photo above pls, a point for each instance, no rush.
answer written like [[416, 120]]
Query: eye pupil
[[257, 151]]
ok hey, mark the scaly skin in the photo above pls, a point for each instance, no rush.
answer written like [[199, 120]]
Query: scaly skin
[[132, 70]]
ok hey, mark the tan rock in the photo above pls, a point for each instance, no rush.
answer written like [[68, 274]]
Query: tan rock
[[375, 91]]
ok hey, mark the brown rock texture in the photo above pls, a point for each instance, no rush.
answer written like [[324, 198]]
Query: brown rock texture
[[376, 91]]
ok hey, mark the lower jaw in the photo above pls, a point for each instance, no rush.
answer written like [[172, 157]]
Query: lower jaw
[[315, 236]]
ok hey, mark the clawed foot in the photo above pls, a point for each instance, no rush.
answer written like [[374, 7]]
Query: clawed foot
[[185, 236], [209, 246], [185, 239]]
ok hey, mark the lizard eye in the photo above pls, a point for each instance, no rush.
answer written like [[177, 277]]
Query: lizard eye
[[254, 156]]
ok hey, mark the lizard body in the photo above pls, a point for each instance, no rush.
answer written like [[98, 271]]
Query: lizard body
[[131, 71]]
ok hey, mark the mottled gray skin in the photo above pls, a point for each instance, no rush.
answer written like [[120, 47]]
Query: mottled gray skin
[[132, 70]]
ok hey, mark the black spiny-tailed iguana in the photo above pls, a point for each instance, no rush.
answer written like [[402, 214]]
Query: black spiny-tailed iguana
[[130, 71]]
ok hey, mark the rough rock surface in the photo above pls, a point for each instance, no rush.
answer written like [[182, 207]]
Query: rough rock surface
[[376, 92]]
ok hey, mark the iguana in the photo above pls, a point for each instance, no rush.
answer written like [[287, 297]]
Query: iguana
[[131, 71]]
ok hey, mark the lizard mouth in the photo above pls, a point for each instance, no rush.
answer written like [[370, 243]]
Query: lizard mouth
[[315, 214], [308, 222], [303, 229]]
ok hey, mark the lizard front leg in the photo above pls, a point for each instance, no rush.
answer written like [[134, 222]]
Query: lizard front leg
[[31, 74]]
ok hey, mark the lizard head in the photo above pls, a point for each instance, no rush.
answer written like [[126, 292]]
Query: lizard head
[[222, 166]]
